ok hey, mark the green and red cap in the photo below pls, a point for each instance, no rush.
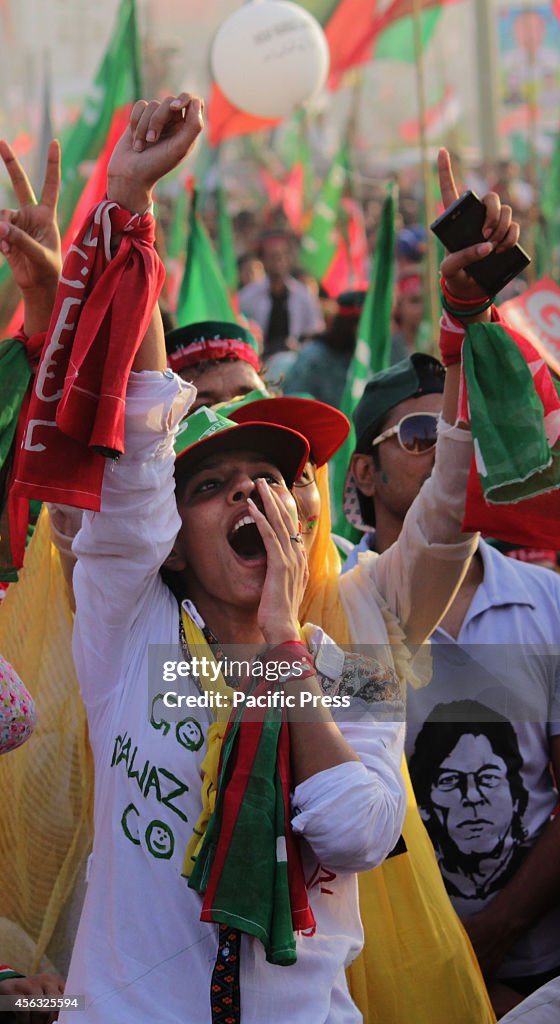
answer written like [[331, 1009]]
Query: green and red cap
[[210, 340], [325, 427], [207, 432]]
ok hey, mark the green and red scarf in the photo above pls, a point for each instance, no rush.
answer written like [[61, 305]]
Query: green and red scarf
[[509, 399]]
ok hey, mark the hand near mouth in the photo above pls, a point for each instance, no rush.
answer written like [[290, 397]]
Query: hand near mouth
[[286, 568]]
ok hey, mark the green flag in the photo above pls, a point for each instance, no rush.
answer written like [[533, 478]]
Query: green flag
[[203, 294], [320, 242], [117, 85], [178, 225], [226, 242], [397, 41], [548, 237], [372, 352]]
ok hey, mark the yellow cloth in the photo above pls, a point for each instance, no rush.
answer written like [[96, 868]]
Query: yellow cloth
[[46, 787], [197, 644], [417, 965]]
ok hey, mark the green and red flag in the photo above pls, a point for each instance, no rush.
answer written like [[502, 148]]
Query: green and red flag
[[89, 144], [203, 294], [372, 352], [440, 117], [320, 242], [355, 25], [348, 269], [106, 111], [226, 241], [397, 41], [295, 153]]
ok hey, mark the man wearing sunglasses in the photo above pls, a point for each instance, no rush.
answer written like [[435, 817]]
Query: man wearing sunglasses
[[396, 427], [496, 647]]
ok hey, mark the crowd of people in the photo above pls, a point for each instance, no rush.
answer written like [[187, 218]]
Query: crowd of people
[[255, 689]]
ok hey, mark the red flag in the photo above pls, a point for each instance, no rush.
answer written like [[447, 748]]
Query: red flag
[[348, 269], [293, 196], [226, 121], [356, 24]]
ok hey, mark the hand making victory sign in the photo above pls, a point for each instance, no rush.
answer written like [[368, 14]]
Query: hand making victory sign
[[30, 239]]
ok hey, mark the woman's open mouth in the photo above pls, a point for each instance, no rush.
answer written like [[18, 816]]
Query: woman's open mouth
[[246, 540]]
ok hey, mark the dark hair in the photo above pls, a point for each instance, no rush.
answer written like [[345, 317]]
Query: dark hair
[[439, 735], [341, 333], [205, 364], [175, 581], [365, 501], [246, 257]]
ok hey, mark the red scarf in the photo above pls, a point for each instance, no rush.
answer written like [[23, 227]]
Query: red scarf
[[103, 307]]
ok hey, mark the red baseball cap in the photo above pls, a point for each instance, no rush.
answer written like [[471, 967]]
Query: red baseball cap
[[325, 427]]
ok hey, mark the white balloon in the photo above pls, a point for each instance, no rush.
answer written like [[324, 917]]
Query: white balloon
[[269, 57]]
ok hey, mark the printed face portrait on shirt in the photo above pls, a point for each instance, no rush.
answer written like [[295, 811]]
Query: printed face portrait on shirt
[[470, 792], [471, 796]]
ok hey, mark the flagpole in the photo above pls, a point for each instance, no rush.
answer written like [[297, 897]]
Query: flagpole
[[532, 167], [429, 206], [351, 136]]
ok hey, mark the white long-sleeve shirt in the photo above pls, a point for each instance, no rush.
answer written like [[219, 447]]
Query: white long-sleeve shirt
[[141, 953]]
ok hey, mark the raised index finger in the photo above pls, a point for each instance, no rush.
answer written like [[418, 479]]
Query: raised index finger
[[51, 184], [20, 182], [447, 184]]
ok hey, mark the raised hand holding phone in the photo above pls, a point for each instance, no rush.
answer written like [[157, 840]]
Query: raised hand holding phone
[[481, 237]]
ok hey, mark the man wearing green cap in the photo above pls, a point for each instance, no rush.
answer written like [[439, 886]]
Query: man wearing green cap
[[407, 400], [220, 359]]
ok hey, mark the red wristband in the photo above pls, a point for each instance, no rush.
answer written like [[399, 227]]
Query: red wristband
[[454, 300], [451, 337], [292, 652]]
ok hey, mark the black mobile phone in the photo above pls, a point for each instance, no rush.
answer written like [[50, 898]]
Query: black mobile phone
[[461, 226]]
